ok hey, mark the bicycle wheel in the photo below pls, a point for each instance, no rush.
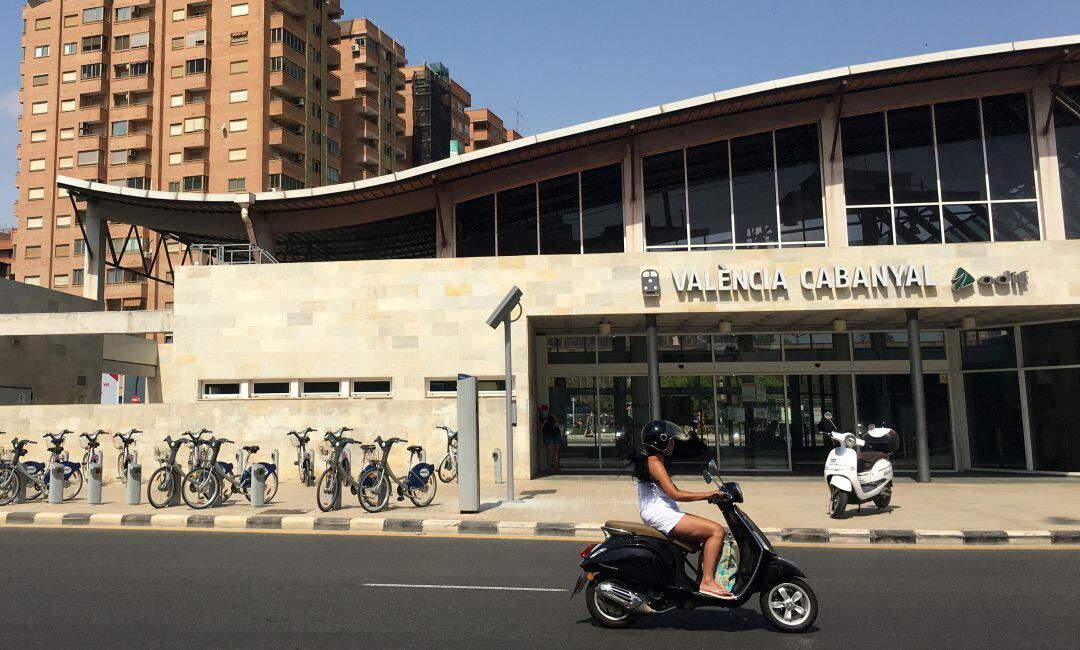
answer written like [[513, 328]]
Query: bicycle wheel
[[86, 460], [269, 489], [447, 468], [73, 482], [374, 492], [200, 488], [161, 487], [191, 460], [422, 496], [328, 490], [121, 467], [309, 474], [9, 485]]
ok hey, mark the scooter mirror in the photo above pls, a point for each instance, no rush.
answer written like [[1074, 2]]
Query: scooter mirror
[[706, 475], [713, 469]]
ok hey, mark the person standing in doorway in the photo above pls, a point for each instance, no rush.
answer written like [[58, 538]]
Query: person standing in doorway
[[552, 437]]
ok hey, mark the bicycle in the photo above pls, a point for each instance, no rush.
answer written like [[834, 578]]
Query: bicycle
[[91, 446], [124, 442], [215, 481], [198, 455], [33, 474], [377, 479], [448, 464], [338, 462], [305, 465], [162, 486]]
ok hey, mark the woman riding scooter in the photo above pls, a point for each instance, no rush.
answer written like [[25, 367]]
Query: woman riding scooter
[[657, 496]]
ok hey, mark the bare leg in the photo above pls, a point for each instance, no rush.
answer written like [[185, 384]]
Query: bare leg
[[711, 535]]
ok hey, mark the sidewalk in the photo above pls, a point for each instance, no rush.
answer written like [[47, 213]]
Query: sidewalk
[[790, 509]]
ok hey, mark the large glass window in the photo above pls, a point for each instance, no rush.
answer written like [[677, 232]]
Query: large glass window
[[887, 399], [1067, 131], [995, 424], [893, 346], [953, 172], [747, 347], [577, 213], [1055, 414], [684, 348], [1051, 344], [982, 349], [752, 191]]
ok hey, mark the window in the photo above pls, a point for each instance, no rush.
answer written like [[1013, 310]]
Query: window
[[174, 186], [197, 66], [34, 280], [237, 126], [39, 108], [176, 101], [179, 14], [42, 24], [194, 124], [284, 182], [93, 43], [37, 165], [69, 76], [237, 155], [34, 223], [93, 15], [238, 67], [60, 280], [239, 10], [176, 158], [475, 227], [332, 174], [32, 253], [195, 183], [80, 247], [176, 129], [69, 48], [67, 105], [124, 14], [92, 157], [281, 64], [91, 71], [983, 349], [917, 175], [237, 184], [320, 388], [41, 51], [176, 71], [371, 387], [42, 80], [270, 389], [238, 96], [281, 35], [118, 157], [65, 162], [39, 136], [35, 193], [216, 390], [63, 221], [238, 38], [77, 277], [62, 250], [438, 387], [1067, 133], [1051, 344]]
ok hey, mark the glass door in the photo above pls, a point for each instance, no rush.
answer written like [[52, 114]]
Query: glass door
[[753, 422], [689, 402], [573, 403], [810, 397]]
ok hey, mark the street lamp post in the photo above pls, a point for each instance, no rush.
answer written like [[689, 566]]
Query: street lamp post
[[502, 315]]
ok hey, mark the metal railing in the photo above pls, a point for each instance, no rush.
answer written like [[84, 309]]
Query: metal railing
[[216, 254]]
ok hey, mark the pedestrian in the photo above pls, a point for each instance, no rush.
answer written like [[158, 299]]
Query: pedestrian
[[551, 435]]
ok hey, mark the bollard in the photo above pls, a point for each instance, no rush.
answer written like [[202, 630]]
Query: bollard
[[258, 485], [134, 484], [56, 483], [93, 488], [497, 457]]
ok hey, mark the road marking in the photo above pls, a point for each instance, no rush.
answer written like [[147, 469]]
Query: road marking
[[479, 588]]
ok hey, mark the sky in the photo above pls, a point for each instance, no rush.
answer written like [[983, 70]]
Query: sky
[[563, 62]]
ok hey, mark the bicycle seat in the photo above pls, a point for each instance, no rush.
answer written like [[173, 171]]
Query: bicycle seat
[[251, 449], [415, 449]]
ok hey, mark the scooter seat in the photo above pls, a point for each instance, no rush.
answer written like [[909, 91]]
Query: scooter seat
[[642, 530], [865, 460]]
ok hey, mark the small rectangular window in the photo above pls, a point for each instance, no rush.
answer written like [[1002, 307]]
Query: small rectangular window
[[65, 162], [371, 387], [69, 77], [35, 193], [237, 126], [93, 15], [238, 67], [237, 184], [239, 10], [67, 134], [238, 38], [67, 105], [176, 129], [39, 136], [77, 277], [176, 158], [236, 155], [63, 221], [60, 280], [176, 101], [33, 280], [41, 80], [71, 20], [270, 389], [42, 23], [237, 96], [34, 223], [37, 165], [179, 14], [442, 387], [211, 390], [320, 388], [32, 253], [62, 250], [39, 108]]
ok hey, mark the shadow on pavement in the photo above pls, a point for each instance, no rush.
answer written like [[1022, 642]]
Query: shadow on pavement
[[735, 620]]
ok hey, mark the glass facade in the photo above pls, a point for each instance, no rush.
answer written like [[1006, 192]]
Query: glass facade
[[761, 190], [954, 172], [1067, 133]]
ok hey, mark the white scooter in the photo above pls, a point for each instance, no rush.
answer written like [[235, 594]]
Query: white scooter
[[858, 470]]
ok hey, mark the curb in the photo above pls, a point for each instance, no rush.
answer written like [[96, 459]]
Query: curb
[[543, 529]]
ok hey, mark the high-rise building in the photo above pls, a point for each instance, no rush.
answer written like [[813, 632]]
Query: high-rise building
[[6, 252], [183, 96], [372, 102], [435, 121], [486, 129]]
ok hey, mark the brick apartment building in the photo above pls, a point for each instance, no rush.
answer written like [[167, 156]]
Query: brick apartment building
[[6, 252], [167, 95], [436, 124], [486, 129]]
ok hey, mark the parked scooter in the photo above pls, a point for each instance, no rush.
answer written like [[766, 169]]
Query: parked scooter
[[639, 570], [858, 470]]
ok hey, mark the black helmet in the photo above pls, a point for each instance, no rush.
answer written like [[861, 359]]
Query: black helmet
[[656, 434]]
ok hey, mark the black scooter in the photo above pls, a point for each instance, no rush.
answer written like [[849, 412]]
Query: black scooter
[[639, 570]]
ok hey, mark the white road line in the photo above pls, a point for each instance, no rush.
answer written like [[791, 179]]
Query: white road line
[[478, 588]]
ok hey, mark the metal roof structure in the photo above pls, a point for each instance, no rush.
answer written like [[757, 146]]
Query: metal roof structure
[[215, 218]]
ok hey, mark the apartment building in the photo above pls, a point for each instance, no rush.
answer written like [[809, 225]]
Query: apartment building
[[435, 121], [6, 252], [486, 129], [372, 102], [169, 95]]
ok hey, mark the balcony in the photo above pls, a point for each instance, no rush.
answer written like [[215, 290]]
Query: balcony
[[131, 112], [333, 59], [130, 141], [188, 82], [399, 79], [190, 168], [286, 84], [91, 114], [287, 112], [399, 149], [135, 25], [367, 106], [399, 125], [280, 19], [296, 8], [399, 103], [333, 9], [333, 85], [288, 141], [367, 131], [287, 167], [92, 141], [367, 81], [94, 86], [128, 290], [366, 155], [133, 55], [132, 84], [129, 170], [193, 140], [333, 32]]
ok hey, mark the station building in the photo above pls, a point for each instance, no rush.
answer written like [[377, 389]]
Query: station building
[[792, 247]]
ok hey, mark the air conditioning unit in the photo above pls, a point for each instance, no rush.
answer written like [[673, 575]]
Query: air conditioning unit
[[355, 48], [132, 153]]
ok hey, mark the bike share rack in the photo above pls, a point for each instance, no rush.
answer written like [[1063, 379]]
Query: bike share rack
[[93, 488], [258, 485], [134, 482], [56, 479]]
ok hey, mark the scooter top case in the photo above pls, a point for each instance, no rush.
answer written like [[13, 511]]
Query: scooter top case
[[881, 439]]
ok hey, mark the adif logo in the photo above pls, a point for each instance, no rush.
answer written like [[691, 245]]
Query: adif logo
[[962, 279]]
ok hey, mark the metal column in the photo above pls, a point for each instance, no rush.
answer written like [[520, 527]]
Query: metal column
[[652, 357], [918, 396], [509, 412]]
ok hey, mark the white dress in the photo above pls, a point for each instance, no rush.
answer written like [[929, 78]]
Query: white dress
[[657, 509]]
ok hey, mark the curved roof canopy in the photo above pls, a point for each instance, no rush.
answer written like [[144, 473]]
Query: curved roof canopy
[[198, 218]]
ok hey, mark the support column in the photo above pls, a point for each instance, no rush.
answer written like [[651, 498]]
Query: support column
[[652, 358], [97, 230], [832, 169], [918, 396], [1053, 216]]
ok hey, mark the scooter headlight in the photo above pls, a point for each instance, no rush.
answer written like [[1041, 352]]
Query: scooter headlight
[[849, 441]]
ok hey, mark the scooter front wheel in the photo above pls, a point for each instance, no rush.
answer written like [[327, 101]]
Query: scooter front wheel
[[883, 500], [837, 503], [789, 605]]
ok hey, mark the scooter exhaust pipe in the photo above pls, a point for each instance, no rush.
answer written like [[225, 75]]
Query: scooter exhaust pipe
[[621, 596]]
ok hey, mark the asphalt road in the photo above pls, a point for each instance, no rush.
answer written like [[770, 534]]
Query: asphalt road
[[99, 588]]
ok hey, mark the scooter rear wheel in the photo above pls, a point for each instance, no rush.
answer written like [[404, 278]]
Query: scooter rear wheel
[[837, 503], [789, 605], [606, 613]]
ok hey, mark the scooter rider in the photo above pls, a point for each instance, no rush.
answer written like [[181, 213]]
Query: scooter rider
[[657, 497]]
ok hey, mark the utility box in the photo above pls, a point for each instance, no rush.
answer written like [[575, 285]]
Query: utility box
[[468, 426]]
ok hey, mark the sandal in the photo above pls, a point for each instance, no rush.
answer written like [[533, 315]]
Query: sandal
[[719, 595]]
